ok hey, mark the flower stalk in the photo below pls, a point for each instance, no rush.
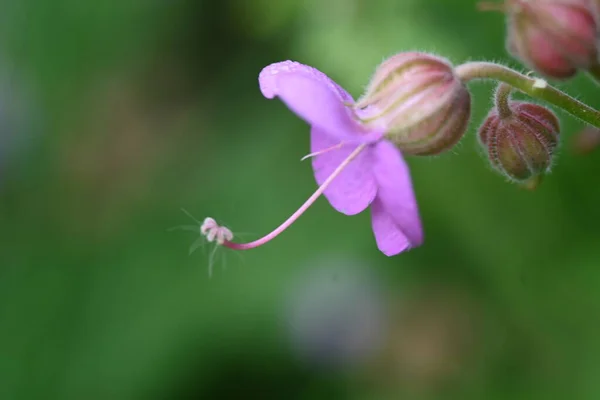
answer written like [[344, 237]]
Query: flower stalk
[[533, 87], [502, 98]]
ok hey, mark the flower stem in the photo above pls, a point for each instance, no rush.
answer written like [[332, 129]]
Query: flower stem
[[502, 98], [535, 88], [267, 238]]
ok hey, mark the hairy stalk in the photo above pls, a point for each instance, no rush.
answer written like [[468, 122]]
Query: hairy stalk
[[501, 99], [536, 88]]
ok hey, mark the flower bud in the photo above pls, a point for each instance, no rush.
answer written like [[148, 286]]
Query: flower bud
[[521, 143], [553, 37], [418, 101]]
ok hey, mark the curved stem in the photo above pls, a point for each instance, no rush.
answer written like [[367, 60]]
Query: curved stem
[[502, 98], [535, 88], [267, 238]]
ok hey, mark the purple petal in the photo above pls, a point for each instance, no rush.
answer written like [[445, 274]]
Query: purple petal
[[312, 96], [396, 220], [354, 188], [391, 240]]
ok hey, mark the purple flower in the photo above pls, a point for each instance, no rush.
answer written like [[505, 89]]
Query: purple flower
[[377, 176], [355, 166]]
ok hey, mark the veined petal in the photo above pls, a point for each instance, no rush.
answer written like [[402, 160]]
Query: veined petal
[[355, 187], [396, 221], [313, 96]]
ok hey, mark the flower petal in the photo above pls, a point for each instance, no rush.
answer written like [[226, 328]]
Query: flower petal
[[312, 96], [395, 212], [355, 187], [391, 240]]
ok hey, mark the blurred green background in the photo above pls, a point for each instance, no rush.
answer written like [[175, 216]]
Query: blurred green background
[[114, 115]]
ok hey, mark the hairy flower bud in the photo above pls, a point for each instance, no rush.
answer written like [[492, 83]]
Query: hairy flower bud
[[418, 101], [553, 37], [520, 141]]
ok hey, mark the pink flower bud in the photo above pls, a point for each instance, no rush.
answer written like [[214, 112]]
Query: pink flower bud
[[553, 37], [520, 142], [418, 101]]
